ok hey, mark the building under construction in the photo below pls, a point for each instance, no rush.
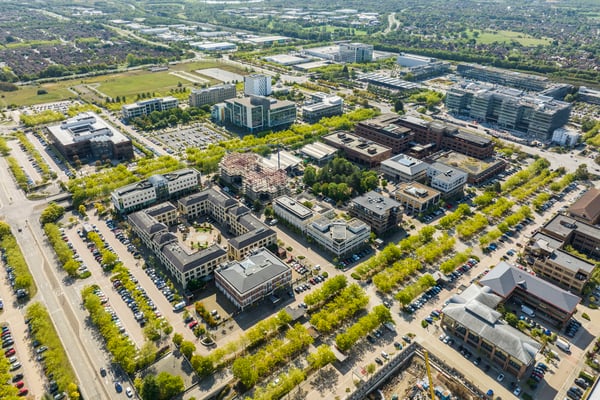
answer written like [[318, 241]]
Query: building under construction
[[255, 180]]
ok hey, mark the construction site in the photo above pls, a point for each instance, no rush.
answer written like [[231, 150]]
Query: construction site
[[247, 173]]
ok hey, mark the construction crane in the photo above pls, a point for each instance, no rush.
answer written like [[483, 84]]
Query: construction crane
[[431, 391]]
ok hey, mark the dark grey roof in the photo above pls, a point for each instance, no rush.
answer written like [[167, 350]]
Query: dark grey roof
[[250, 222], [145, 223], [251, 237], [258, 268], [210, 194], [184, 261], [238, 211], [503, 279], [469, 311], [163, 238], [570, 262], [193, 199], [160, 209]]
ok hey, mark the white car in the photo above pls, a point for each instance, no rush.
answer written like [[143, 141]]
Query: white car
[[517, 391], [385, 355], [129, 392], [500, 378]]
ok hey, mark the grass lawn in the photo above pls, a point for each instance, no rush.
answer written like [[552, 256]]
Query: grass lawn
[[487, 37], [27, 95], [127, 84]]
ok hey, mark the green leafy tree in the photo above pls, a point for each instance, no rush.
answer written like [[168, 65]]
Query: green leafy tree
[[177, 339], [52, 213], [203, 366], [187, 348], [321, 357], [170, 385]]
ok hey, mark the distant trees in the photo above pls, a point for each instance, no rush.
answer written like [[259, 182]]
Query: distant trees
[[172, 117]]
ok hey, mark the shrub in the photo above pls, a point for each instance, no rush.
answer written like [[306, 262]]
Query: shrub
[[585, 316]]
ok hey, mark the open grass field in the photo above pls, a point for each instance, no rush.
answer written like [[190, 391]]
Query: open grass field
[[127, 84], [487, 37]]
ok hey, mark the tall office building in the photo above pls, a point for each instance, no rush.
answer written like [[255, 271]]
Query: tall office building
[[355, 53], [255, 113], [257, 85]]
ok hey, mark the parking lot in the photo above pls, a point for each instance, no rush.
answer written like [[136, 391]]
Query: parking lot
[[177, 140]]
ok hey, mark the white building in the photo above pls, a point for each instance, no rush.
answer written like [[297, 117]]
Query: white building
[[154, 189], [413, 60], [293, 212], [147, 106], [565, 137], [322, 105], [257, 85], [403, 168], [355, 53], [446, 179], [339, 237]]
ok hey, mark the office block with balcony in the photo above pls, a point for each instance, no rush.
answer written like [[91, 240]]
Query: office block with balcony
[[146, 107]]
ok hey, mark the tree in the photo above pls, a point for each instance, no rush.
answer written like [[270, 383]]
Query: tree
[[147, 354], [170, 385], [244, 370], [82, 210], [310, 175], [321, 357], [202, 365], [511, 319], [149, 389], [399, 106], [187, 348], [52, 213]]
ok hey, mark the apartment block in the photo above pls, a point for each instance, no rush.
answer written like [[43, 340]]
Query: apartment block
[[146, 107], [381, 213], [155, 189], [589, 95], [212, 95]]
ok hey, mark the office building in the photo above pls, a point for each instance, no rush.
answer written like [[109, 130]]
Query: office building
[[565, 137], [479, 171], [212, 95], [472, 317], [255, 114], [381, 213], [248, 231], [355, 53], [292, 212], [358, 149], [183, 263], [503, 77], [253, 279], [320, 106], [337, 236], [246, 173], [417, 198], [548, 252], [385, 84], [384, 130], [449, 181], [588, 95], [146, 107], [420, 67], [87, 136], [257, 85], [517, 287], [538, 116], [403, 168], [587, 208], [413, 60], [155, 189]]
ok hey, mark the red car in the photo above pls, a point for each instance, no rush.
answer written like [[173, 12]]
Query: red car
[[23, 392], [10, 352], [193, 324], [20, 384]]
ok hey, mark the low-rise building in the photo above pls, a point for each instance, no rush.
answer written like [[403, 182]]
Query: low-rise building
[[319, 152], [320, 106], [566, 137], [472, 317], [518, 287], [358, 149], [403, 168], [450, 181], [293, 212], [381, 213], [385, 131], [255, 278], [146, 107], [165, 213], [89, 136], [589, 95], [587, 208], [155, 189], [417, 198], [479, 171], [583, 237], [338, 237], [212, 95]]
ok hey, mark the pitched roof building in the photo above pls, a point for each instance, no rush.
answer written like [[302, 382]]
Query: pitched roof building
[[587, 208]]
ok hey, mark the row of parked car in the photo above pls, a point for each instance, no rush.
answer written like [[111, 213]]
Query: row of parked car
[[421, 301], [161, 284], [110, 310], [133, 305], [11, 278], [9, 353], [315, 280], [355, 257], [572, 327]]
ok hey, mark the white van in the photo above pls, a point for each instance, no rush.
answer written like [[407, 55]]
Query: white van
[[563, 345]]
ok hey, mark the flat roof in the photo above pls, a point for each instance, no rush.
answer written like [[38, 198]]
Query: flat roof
[[252, 272], [570, 262], [85, 126], [318, 150], [184, 261], [416, 190], [446, 173], [284, 160], [286, 59], [406, 164], [468, 164], [504, 278], [294, 207], [376, 203], [563, 226], [312, 65], [350, 141]]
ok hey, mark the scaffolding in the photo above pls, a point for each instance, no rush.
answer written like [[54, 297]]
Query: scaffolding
[[256, 181]]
